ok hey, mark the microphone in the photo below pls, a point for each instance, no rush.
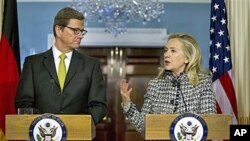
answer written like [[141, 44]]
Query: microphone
[[174, 83], [52, 82], [172, 101], [177, 84], [179, 88]]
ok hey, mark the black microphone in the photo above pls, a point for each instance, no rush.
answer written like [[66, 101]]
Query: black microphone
[[172, 101], [175, 101], [174, 83], [52, 82], [179, 88]]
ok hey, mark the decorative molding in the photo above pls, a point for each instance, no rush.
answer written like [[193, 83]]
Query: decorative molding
[[164, 1], [134, 37]]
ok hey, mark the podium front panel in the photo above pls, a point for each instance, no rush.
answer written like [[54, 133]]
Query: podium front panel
[[157, 126], [79, 127]]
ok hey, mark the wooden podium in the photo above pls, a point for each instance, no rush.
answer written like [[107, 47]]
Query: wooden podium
[[79, 127], [158, 126]]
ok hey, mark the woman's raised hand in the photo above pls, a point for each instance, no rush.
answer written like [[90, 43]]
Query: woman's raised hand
[[125, 91]]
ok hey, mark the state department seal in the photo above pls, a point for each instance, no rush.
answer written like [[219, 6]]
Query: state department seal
[[47, 127], [188, 127]]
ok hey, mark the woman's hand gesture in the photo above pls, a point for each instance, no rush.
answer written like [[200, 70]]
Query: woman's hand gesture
[[125, 92]]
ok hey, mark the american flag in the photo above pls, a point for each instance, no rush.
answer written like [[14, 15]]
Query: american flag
[[220, 61]]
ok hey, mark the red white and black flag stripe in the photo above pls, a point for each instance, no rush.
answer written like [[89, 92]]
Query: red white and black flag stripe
[[9, 60]]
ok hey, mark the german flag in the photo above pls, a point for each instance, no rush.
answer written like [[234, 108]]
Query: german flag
[[9, 60]]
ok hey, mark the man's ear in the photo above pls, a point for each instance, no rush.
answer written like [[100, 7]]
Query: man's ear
[[58, 29]]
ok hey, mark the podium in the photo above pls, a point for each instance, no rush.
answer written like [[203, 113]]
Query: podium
[[79, 127], [157, 126]]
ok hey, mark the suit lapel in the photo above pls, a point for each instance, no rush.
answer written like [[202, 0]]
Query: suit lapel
[[50, 65], [75, 64]]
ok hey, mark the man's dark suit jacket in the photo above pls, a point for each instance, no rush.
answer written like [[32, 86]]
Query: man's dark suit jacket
[[84, 89]]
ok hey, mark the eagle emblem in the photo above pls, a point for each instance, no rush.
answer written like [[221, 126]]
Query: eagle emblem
[[188, 127], [47, 132], [47, 127], [188, 131]]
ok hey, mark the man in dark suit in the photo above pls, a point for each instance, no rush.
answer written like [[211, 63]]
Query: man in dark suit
[[81, 91]]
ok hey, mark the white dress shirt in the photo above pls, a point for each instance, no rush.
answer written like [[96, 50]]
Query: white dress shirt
[[57, 53]]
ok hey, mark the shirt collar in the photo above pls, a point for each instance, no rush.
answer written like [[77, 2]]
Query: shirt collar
[[169, 75], [57, 53]]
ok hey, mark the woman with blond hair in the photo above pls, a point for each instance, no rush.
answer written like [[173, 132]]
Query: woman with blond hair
[[180, 87]]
